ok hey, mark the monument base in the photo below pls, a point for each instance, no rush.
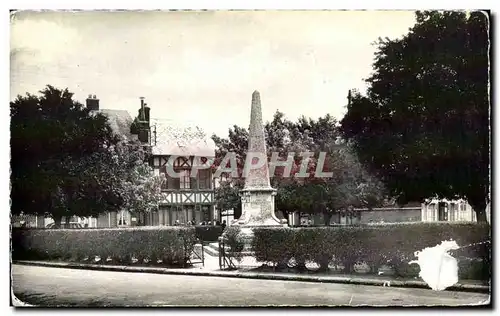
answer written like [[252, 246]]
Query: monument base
[[257, 207], [247, 234]]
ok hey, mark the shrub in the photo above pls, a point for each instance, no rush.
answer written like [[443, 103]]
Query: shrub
[[235, 243], [173, 245], [208, 232], [272, 245], [391, 244]]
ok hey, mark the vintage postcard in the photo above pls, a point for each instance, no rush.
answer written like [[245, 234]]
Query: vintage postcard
[[221, 158]]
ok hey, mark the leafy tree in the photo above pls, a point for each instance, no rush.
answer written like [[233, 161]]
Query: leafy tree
[[227, 196], [423, 126], [54, 140], [67, 161], [349, 186], [237, 143], [139, 188]]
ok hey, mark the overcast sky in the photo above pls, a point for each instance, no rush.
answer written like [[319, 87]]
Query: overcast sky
[[202, 67]]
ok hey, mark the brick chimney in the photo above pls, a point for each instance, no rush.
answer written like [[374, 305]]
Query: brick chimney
[[147, 111], [92, 103], [144, 112], [144, 128]]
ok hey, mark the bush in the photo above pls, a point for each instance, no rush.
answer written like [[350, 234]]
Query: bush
[[391, 244], [172, 245], [208, 232], [272, 245], [234, 242]]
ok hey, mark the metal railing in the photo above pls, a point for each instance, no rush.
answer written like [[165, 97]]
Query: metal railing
[[225, 261], [197, 256]]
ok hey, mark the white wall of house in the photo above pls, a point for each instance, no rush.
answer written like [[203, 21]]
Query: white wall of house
[[454, 211], [488, 212], [90, 221]]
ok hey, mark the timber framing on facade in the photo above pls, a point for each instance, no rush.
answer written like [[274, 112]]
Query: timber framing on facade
[[185, 198]]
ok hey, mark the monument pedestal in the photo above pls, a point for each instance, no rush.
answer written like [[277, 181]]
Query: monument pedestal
[[257, 211], [257, 207]]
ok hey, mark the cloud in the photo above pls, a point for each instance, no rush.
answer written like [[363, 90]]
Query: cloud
[[46, 40], [203, 63]]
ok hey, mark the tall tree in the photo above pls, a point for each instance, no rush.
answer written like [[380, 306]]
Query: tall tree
[[136, 183], [423, 126], [66, 160]]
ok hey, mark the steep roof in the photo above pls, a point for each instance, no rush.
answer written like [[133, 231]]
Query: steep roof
[[181, 138], [120, 121]]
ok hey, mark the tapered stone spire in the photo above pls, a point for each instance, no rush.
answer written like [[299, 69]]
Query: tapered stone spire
[[257, 196], [257, 178]]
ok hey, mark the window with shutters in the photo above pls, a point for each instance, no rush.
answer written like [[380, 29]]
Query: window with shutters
[[185, 179], [462, 214], [453, 208], [204, 179], [433, 212], [174, 183], [194, 182]]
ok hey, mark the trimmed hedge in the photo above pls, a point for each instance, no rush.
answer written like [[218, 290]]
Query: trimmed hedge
[[172, 245], [234, 243], [377, 245], [208, 232]]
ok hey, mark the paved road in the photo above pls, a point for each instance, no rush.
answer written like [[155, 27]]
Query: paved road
[[56, 286]]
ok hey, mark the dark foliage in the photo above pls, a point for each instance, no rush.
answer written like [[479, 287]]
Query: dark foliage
[[208, 233], [424, 125], [392, 244], [58, 150], [172, 245]]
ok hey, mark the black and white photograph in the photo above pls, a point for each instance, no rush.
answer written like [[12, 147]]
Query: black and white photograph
[[250, 158]]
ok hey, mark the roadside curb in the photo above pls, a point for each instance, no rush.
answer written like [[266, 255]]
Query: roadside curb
[[256, 275]]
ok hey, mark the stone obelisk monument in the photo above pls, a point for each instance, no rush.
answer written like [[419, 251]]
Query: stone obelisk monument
[[257, 196]]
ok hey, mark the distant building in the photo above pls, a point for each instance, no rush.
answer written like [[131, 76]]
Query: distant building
[[188, 197], [28, 221], [433, 210], [448, 211], [410, 212]]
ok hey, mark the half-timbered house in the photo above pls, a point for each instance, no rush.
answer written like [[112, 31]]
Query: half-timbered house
[[188, 195]]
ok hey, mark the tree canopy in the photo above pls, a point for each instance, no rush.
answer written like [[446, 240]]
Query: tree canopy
[[67, 161], [423, 126]]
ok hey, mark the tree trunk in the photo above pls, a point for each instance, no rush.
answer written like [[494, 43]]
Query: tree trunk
[[479, 207], [327, 216], [481, 215], [57, 220]]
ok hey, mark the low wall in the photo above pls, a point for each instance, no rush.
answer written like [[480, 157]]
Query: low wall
[[391, 216]]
